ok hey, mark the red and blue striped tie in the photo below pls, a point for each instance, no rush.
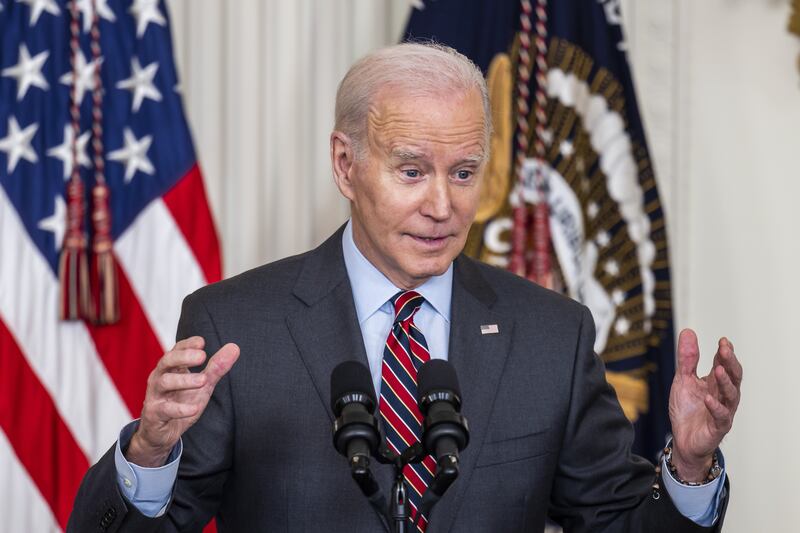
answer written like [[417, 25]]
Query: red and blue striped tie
[[404, 354]]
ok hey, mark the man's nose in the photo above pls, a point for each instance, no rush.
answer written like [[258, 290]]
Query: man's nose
[[438, 203]]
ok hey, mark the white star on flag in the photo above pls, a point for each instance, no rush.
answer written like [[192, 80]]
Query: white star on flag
[[141, 83], [87, 11], [64, 150], [17, 144], [57, 222], [28, 71], [146, 11], [1, 6], [134, 154], [39, 6], [86, 80], [85, 75]]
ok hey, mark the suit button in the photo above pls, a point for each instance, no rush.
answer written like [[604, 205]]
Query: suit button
[[108, 518]]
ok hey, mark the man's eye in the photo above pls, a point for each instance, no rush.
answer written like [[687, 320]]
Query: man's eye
[[464, 174], [411, 173]]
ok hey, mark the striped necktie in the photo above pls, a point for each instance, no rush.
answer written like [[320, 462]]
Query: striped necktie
[[404, 354]]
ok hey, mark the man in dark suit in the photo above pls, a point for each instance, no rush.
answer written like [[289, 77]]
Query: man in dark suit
[[249, 442]]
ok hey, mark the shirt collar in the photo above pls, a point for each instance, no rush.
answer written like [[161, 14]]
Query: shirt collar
[[371, 289]]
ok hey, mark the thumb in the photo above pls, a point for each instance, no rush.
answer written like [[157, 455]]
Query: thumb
[[221, 363], [688, 353]]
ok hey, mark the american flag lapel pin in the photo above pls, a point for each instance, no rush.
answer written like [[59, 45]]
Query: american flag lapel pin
[[489, 329]]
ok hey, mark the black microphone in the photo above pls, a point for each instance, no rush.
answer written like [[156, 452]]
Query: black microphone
[[446, 432], [355, 431]]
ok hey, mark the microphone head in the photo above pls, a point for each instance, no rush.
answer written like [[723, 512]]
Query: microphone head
[[437, 375], [351, 382]]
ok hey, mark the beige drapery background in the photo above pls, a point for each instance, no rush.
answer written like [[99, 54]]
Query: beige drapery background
[[719, 94]]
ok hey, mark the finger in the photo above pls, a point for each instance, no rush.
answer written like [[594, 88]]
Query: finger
[[197, 342], [171, 382], [712, 383], [722, 345], [720, 414], [174, 410], [728, 342], [729, 391], [181, 359], [221, 363], [688, 353], [728, 359]]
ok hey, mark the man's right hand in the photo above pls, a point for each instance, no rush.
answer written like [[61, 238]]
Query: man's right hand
[[176, 398]]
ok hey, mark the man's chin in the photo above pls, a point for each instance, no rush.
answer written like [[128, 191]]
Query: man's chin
[[424, 268]]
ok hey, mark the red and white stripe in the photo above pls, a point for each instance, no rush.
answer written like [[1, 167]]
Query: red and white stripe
[[67, 388]]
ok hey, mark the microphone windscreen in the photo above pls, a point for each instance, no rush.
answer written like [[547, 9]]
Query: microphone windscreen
[[348, 378], [437, 374]]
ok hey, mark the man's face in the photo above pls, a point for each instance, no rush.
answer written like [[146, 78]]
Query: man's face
[[415, 194]]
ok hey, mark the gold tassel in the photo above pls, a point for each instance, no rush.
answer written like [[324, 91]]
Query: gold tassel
[[73, 269], [104, 270]]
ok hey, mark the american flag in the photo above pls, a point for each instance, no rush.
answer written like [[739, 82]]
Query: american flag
[[66, 388]]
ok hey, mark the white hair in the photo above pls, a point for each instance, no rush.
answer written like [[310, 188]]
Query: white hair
[[423, 69]]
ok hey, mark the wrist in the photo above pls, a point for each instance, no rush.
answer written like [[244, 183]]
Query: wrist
[[140, 453], [692, 471]]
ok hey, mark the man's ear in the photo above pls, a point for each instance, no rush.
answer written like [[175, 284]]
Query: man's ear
[[342, 161]]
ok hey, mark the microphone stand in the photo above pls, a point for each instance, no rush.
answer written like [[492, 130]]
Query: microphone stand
[[362, 474], [398, 512], [399, 509]]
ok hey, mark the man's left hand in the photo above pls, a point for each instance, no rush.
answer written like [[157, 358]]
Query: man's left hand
[[701, 410]]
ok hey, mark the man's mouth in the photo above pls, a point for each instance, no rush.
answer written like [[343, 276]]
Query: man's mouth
[[430, 241]]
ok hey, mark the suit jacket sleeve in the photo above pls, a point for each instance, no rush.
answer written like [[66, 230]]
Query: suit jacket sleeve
[[599, 484], [100, 506]]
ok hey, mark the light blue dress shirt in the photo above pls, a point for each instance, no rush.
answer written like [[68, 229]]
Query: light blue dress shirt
[[150, 489]]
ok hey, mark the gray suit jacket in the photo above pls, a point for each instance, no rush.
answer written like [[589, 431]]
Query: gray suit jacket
[[547, 434]]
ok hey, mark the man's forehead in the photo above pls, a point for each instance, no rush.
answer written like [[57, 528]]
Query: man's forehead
[[405, 126]]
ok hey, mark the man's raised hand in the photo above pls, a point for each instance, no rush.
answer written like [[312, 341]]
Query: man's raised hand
[[701, 410], [176, 398]]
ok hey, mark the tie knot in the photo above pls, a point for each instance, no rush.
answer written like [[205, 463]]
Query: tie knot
[[406, 304]]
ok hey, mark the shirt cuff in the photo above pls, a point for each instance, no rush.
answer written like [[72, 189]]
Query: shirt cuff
[[701, 503], [148, 489]]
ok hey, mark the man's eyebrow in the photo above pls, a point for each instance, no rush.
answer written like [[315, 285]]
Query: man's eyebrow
[[474, 158], [406, 154]]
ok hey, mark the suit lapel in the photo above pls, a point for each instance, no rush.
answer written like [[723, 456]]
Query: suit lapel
[[479, 359], [326, 331]]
